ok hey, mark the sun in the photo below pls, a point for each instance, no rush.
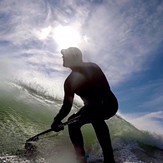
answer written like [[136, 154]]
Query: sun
[[66, 36]]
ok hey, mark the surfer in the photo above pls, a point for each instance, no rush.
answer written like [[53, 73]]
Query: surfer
[[89, 82]]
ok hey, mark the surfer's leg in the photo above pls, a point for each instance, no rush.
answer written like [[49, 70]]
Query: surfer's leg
[[77, 139], [103, 136]]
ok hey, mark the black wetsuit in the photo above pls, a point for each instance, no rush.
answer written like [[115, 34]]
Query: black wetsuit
[[89, 82]]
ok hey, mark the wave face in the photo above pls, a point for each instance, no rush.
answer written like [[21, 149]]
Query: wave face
[[24, 113]]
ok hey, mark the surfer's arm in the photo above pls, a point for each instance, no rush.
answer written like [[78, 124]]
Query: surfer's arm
[[65, 109], [67, 102]]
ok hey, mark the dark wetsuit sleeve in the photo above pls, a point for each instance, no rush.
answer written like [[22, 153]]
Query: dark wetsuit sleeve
[[67, 102]]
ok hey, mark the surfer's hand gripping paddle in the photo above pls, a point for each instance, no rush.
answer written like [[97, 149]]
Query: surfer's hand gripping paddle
[[57, 125], [29, 145], [36, 137]]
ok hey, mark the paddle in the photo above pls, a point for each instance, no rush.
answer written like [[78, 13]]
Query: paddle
[[36, 137]]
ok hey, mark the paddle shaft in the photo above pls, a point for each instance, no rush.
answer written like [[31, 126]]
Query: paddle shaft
[[34, 138]]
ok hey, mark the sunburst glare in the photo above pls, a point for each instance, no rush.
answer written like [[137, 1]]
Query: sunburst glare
[[66, 36]]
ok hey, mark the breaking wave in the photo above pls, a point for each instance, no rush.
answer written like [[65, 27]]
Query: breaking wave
[[26, 110]]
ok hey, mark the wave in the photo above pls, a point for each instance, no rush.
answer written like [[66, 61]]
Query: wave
[[22, 115], [41, 93]]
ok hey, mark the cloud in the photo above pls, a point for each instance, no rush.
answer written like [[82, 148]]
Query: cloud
[[20, 18], [155, 103], [121, 35], [151, 95], [151, 122]]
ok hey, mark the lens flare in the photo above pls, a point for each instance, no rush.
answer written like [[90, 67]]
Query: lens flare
[[66, 36]]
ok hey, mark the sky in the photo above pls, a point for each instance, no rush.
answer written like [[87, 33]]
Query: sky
[[124, 37]]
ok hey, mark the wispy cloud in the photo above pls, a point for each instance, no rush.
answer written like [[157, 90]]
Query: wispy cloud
[[145, 96], [120, 34], [123, 37], [151, 122], [152, 95]]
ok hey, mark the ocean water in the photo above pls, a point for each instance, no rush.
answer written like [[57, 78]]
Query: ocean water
[[24, 112]]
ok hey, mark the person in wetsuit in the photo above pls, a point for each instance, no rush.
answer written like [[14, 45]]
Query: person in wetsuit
[[89, 82]]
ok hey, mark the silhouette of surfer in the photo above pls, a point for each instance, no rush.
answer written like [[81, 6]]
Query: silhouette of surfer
[[89, 82]]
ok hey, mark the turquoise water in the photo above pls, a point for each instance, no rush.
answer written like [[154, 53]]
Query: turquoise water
[[20, 117], [24, 113]]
